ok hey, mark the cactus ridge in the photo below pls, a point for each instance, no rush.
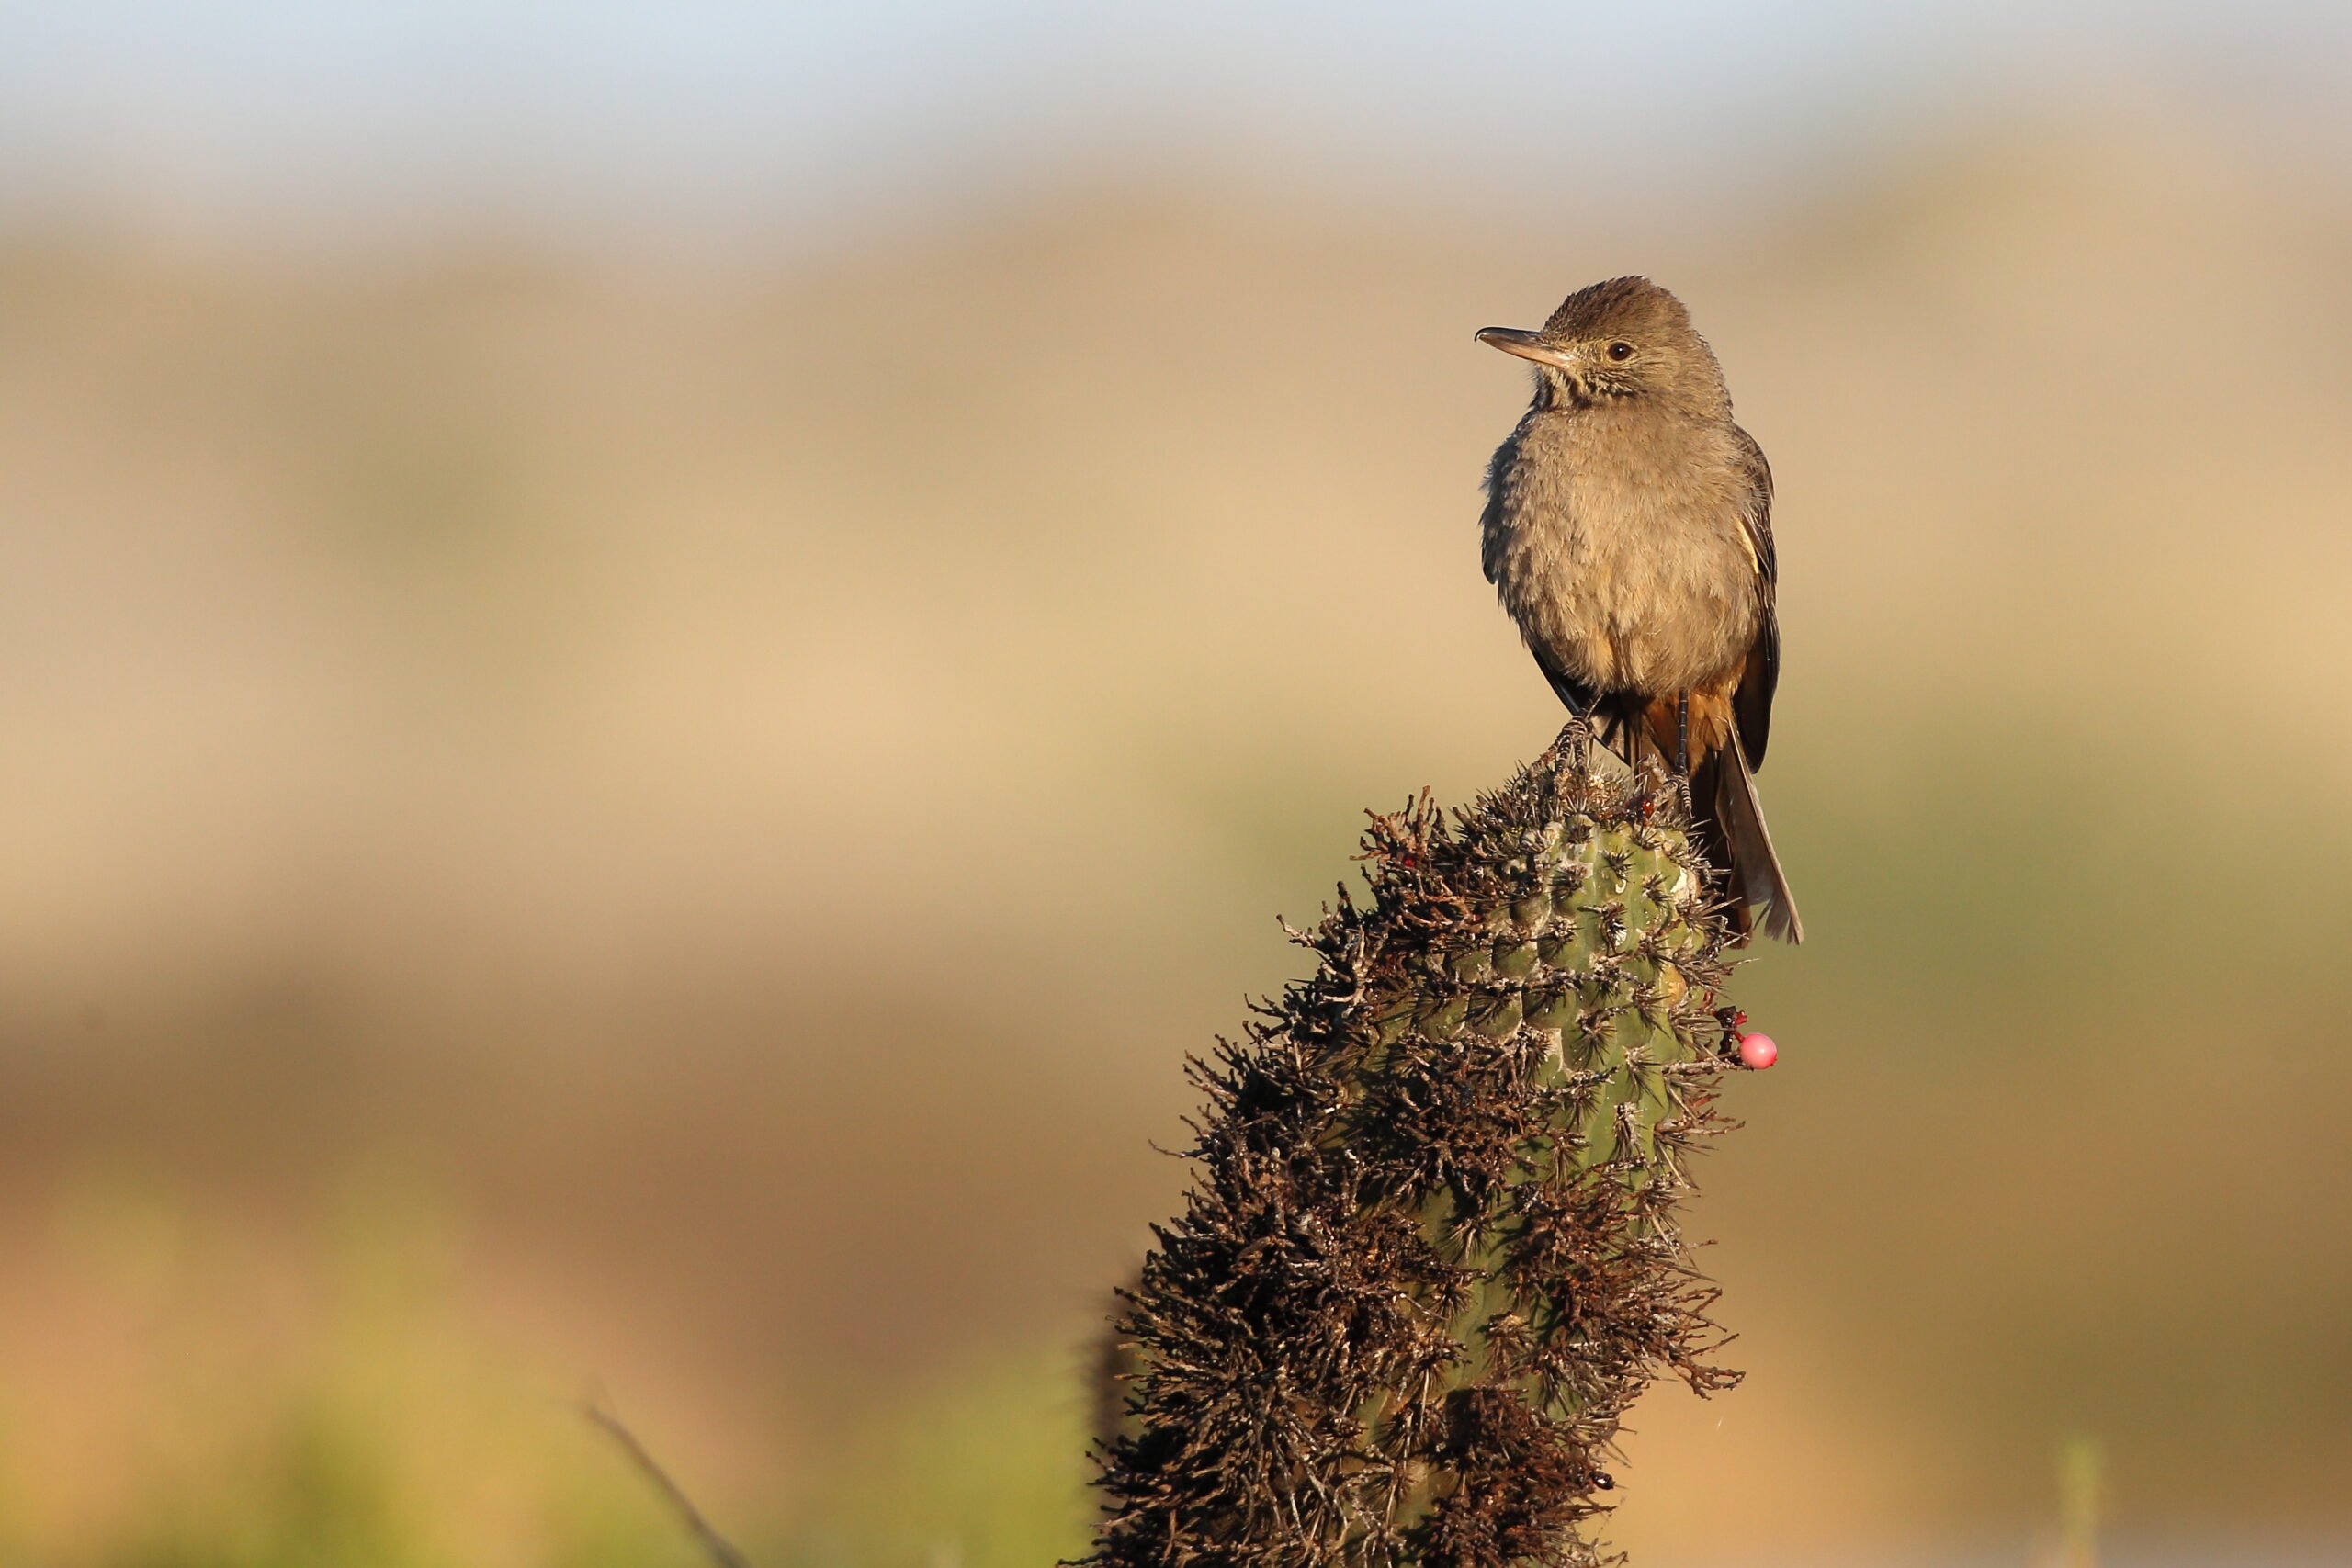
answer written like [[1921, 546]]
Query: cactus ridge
[[1430, 1255]]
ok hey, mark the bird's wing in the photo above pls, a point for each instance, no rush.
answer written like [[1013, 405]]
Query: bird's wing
[[1580, 695], [1494, 531], [1752, 703]]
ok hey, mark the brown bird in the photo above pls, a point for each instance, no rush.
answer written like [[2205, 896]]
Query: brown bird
[[1628, 531]]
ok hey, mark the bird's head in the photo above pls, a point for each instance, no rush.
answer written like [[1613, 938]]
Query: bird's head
[[1624, 338]]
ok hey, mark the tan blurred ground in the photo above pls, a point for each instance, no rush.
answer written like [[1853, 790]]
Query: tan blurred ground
[[743, 786]]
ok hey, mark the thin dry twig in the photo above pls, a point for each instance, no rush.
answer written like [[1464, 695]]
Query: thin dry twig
[[720, 1550]]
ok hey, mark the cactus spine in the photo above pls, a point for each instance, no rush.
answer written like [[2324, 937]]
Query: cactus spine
[[1430, 1255]]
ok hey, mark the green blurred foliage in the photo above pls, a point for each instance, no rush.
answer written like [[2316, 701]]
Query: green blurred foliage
[[387, 1433], [986, 1469]]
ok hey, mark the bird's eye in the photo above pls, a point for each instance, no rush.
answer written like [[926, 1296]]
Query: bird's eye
[[1620, 351]]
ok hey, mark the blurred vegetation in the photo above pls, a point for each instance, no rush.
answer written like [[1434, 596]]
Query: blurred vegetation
[[984, 1469], [384, 1433], [368, 1426]]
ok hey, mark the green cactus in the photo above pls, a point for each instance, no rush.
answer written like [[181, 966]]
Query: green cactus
[[1430, 1255]]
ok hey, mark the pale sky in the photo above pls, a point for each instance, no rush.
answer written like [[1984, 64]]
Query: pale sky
[[714, 117]]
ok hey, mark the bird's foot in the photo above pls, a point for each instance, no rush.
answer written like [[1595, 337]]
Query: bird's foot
[[1572, 751]]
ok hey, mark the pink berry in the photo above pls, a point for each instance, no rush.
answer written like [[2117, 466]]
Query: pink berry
[[1757, 1051]]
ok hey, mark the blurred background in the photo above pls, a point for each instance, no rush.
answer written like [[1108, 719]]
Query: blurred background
[[658, 661]]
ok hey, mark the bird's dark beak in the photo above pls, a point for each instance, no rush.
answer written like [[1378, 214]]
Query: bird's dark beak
[[1527, 345]]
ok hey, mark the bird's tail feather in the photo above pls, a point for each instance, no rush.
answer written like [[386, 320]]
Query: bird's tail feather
[[1758, 889]]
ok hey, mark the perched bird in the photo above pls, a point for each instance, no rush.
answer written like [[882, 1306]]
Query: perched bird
[[1628, 531]]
